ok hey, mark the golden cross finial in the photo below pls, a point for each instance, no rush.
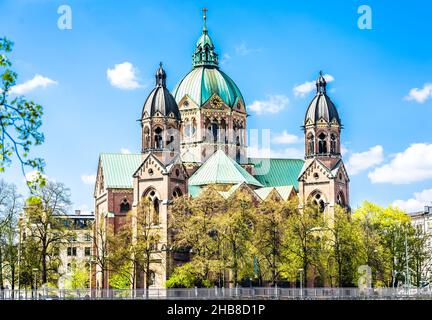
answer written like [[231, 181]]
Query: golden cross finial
[[205, 12]]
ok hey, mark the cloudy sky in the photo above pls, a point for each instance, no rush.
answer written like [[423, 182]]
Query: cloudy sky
[[93, 79]]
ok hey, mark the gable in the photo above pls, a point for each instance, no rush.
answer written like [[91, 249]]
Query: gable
[[340, 173], [215, 103], [150, 168], [220, 169], [314, 171], [187, 103]]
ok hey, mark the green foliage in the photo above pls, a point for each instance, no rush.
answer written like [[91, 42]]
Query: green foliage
[[274, 240], [121, 279], [45, 233], [79, 278], [383, 241], [188, 275], [20, 120]]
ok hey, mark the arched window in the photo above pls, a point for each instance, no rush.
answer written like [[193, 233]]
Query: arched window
[[311, 144], [187, 128], [319, 201], [155, 218], [214, 131], [152, 278], [69, 267], [146, 137], [333, 144], [177, 193], [238, 153], [322, 143], [124, 206], [223, 131], [340, 199], [154, 200], [194, 127], [158, 138]]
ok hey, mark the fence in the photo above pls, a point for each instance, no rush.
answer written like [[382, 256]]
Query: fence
[[238, 293]]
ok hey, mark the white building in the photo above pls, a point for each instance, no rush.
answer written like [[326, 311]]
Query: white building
[[77, 251], [423, 222]]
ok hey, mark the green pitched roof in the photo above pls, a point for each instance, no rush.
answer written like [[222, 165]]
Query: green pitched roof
[[219, 168], [277, 172], [118, 169]]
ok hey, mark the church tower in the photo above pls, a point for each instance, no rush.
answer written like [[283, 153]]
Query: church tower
[[323, 179], [212, 108], [161, 176], [160, 119]]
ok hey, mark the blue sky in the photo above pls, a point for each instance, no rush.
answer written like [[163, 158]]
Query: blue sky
[[381, 80]]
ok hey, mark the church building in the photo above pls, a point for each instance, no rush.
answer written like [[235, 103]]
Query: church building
[[194, 136]]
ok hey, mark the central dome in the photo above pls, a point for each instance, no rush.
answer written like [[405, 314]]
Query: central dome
[[205, 79], [202, 82]]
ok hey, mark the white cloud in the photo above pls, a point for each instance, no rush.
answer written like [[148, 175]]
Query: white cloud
[[225, 58], [273, 104], [285, 138], [344, 150], [88, 179], [413, 164], [303, 89], [243, 50], [288, 153], [38, 81], [123, 76], [125, 151], [361, 161], [417, 203], [420, 95]]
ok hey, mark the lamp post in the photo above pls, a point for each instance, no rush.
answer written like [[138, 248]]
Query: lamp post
[[35, 271], [301, 282], [407, 280]]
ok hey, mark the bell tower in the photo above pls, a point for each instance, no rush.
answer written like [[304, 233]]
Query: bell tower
[[323, 179], [160, 119]]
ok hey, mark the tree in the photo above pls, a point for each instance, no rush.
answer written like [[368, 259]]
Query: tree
[[136, 246], [194, 228], [383, 241], [420, 255], [10, 206], [20, 119], [103, 242], [305, 240], [79, 277], [270, 228], [43, 226], [234, 227], [345, 240]]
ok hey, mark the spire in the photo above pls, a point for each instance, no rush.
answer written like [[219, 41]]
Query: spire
[[160, 76], [321, 83], [205, 20], [205, 54]]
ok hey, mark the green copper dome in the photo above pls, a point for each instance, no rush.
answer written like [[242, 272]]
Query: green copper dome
[[205, 78], [202, 82]]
